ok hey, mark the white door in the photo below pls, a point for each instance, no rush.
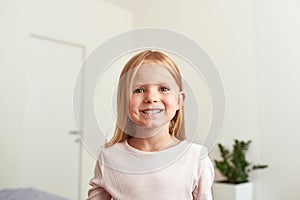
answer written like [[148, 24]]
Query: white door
[[51, 153]]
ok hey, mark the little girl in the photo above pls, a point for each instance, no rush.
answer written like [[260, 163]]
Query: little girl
[[148, 157]]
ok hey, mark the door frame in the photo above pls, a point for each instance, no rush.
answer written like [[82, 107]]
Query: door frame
[[83, 47]]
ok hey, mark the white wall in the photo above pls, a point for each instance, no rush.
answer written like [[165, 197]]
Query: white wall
[[84, 22], [278, 50], [12, 91]]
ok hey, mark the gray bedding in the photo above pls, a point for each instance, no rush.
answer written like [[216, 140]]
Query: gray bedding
[[27, 194]]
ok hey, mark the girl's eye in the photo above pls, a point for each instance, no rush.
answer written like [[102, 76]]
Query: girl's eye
[[164, 89], [139, 90]]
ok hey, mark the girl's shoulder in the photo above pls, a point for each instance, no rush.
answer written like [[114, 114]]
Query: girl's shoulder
[[198, 150], [197, 155]]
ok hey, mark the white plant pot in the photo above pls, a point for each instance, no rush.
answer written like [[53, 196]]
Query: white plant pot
[[227, 191]]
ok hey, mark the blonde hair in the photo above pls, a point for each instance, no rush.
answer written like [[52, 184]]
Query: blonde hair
[[124, 123]]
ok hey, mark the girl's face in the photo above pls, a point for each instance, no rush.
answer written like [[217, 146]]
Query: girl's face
[[155, 97]]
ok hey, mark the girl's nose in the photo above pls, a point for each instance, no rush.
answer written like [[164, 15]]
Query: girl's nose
[[151, 97]]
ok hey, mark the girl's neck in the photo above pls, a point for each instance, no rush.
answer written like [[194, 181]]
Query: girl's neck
[[157, 142]]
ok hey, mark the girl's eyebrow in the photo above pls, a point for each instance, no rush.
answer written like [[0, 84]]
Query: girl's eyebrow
[[151, 83]]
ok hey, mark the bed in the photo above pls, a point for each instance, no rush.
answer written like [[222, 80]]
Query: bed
[[27, 194]]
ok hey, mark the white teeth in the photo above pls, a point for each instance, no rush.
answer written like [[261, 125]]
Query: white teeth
[[151, 112]]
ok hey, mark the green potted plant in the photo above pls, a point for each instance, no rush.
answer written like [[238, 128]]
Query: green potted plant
[[235, 168]]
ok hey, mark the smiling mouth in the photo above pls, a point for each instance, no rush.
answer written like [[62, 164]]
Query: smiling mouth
[[152, 111]]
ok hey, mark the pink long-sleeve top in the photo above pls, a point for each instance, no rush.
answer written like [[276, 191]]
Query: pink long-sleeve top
[[182, 172]]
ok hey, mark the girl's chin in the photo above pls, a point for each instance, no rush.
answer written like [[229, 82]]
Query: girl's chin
[[150, 124]]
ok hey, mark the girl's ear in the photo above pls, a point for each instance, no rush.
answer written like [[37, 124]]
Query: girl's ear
[[181, 99]]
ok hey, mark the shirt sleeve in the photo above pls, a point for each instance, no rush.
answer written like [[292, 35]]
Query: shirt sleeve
[[206, 178], [97, 192]]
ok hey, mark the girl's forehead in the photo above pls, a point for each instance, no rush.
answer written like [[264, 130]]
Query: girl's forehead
[[153, 74]]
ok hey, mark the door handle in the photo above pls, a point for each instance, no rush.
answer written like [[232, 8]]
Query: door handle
[[73, 132], [77, 140]]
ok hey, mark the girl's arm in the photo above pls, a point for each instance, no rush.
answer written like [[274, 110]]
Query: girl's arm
[[97, 192], [205, 180]]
